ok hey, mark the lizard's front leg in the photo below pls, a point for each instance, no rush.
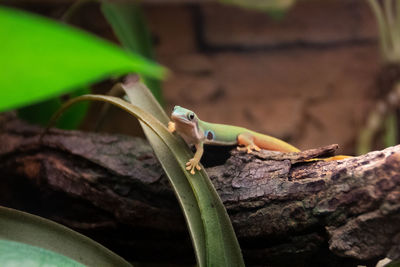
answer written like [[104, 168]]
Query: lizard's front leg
[[194, 162]]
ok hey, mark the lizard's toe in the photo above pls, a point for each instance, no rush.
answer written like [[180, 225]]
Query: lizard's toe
[[191, 165], [171, 127], [249, 148]]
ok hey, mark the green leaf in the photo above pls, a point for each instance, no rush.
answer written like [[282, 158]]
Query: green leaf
[[140, 96], [76, 114], [216, 244], [393, 263], [19, 254], [130, 27], [40, 113], [41, 59], [262, 5], [32, 230], [390, 135]]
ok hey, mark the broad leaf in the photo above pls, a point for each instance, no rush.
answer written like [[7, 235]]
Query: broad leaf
[[20, 254], [29, 229], [41, 59]]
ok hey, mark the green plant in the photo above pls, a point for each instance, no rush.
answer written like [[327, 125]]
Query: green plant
[[40, 113], [130, 27], [274, 8], [388, 20], [29, 240], [20, 254], [383, 117], [54, 59], [44, 59], [211, 231]]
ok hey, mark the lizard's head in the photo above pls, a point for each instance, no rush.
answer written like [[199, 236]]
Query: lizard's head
[[183, 115], [187, 124]]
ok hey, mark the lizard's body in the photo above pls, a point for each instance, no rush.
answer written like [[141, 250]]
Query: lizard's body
[[222, 134], [197, 132]]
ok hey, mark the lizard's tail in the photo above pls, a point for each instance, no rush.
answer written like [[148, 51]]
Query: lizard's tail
[[337, 157], [271, 143]]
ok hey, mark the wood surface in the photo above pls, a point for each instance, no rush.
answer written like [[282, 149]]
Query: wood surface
[[286, 211]]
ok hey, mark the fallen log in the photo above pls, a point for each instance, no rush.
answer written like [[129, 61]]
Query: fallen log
[[285, 210]]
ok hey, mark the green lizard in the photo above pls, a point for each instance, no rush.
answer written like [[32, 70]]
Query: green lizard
[[197, 132]]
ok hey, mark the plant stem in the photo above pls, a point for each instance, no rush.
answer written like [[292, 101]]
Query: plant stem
[[383, 34], [66, 17], [390, 129]]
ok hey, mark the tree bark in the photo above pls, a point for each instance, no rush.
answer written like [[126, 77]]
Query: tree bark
[[286, 211]]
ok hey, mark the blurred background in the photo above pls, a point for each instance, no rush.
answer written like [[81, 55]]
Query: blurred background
[[309, 72]]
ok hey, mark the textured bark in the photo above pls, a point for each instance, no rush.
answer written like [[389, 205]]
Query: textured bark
[[285, 210]]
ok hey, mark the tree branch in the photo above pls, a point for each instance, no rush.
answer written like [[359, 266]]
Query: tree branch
[[284, 210]]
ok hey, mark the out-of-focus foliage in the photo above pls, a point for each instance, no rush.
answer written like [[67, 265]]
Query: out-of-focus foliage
[[130, 27], [41, 59], [388, 18], [41, 112], [275, 8], [391, 130], [32, 230], [383, 117]]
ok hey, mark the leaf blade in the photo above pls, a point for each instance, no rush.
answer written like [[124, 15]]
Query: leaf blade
[[128, 24], [20, 254], [29, 229], [222, 247], [141, 97], [44, 59]]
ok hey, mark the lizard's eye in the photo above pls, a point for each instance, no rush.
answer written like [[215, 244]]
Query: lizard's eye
[[190, 116]]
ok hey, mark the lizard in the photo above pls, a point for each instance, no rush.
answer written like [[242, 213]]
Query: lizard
[[197, 132]]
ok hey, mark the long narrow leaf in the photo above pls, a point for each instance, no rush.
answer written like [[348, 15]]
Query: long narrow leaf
[[40, 59], [383, 28], [266, 5], [129, 26], [36, 231], [222, 248], [390, 136], [140, 96]]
